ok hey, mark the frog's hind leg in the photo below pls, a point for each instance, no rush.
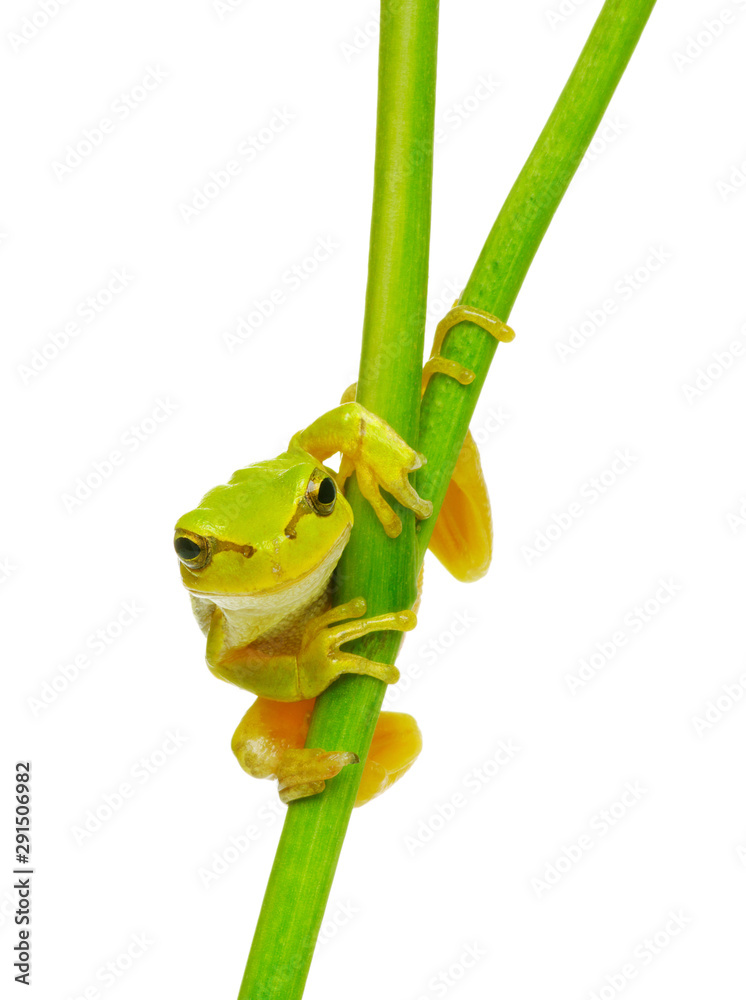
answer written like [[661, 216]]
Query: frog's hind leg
[[396, 745], [462, 537], [269, 744]]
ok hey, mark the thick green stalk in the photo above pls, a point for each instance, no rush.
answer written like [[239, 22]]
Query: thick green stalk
[[447, 407], [383, 571]]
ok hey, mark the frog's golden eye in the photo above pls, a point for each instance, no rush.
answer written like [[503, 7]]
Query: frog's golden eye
[[193, 550], [322, 495]]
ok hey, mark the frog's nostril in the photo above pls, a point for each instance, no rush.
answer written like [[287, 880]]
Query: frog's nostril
[[193, 550]]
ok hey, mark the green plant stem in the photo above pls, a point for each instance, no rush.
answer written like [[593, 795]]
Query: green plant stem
[[447, 407], [384, 571]]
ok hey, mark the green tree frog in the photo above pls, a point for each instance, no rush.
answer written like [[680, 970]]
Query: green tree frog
[[257, 557]]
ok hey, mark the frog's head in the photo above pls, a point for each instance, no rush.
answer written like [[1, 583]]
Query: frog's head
[[275, 527]]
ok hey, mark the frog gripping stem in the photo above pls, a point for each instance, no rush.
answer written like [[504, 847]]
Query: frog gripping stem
[[345, 714], [461, 314]]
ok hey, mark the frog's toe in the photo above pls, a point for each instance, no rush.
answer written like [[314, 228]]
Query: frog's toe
[[350, 663], [408, 496], [304, 771], [301, 791], [368, 484]]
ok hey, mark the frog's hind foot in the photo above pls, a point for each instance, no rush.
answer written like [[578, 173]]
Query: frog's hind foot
[[269, 744], [305, 771]]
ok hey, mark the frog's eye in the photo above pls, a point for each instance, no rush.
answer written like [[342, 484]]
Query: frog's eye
[[193, 550], [322, 495]]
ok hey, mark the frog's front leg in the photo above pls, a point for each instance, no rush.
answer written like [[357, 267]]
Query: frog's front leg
[[375, 452], [321, 661], [316, 661]]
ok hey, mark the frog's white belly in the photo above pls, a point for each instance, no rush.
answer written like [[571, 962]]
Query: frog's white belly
[[249, 616]]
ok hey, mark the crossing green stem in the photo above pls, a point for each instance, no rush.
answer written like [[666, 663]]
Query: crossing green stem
[[447, 407]]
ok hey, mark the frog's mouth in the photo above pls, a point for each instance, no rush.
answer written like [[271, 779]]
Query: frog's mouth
[[297, 589]]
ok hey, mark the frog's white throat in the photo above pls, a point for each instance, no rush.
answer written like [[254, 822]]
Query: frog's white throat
[[251, 615]]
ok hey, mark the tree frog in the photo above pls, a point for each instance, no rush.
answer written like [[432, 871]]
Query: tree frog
[[257, 557]]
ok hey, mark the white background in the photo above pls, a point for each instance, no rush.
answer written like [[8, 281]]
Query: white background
[[413, 890]]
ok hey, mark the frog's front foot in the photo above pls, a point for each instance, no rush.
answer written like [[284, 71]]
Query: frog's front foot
[[379, 457], [321, 661], [383, 460]]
